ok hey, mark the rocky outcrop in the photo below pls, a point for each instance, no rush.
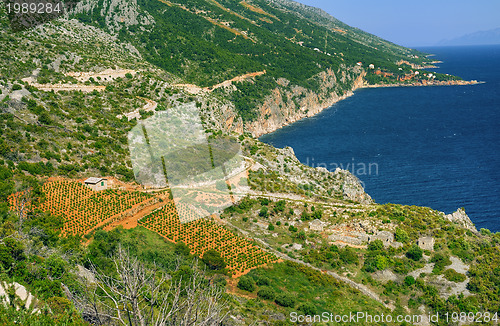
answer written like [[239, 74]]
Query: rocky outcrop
[[461, 218], [353, 188], [17, 295], [116, 13]]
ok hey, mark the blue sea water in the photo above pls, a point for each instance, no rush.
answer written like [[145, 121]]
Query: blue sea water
[[430, 146]]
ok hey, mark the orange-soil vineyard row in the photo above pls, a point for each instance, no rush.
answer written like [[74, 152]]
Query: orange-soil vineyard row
[[83, 208], [201, 235]]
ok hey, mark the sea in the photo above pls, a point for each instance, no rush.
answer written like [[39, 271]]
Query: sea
[[436, 146]]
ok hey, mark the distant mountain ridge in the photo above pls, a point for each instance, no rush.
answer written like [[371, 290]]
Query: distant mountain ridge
[[491, 36]]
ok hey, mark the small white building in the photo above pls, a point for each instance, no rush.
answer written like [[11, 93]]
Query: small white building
[[96, 184], [371, 66]]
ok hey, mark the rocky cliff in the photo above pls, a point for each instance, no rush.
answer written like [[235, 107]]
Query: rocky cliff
[[276, 113], [461, 218]]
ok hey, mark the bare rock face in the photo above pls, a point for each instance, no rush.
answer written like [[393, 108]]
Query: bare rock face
[[461, 218], [117, 13], [353, 189]]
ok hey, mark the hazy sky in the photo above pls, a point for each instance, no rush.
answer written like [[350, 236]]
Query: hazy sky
[[414, 22]]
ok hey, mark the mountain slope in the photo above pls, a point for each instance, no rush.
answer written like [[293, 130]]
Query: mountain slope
[[206, 42]]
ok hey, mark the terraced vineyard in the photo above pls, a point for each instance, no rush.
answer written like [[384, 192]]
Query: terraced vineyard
[[83, 209], [201, 235]]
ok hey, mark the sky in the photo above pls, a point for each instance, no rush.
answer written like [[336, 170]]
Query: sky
[[416, 22]]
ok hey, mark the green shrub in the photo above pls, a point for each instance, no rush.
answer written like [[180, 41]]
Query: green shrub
[[182, 249], [246, 283], [263, 280], [401, 236], [285, 300], [415, 253], [213, 259], [348, 256], [409, 280], [440, 261], [376, 245], [453, 276], [308, 309], [266, 293]]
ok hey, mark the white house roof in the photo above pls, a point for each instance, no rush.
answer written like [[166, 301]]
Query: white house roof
[[93, 180]]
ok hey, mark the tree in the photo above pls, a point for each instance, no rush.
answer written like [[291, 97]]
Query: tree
[[401, 236], [44, 118], [285, 300], [348, 256], [246, 283], [409, 280], [376, 245], [266, 292], [415, 253], [264, 212], [213, 259], [182, 249], [134, 294], [308, 309]]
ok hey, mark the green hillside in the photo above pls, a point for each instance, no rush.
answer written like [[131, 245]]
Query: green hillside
[[72, 89]]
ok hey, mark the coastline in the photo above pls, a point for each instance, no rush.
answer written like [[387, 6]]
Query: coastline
[[427, 83], [359, 84]]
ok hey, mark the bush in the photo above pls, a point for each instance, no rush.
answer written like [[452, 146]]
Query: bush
[[415, 253], [266, 293], [213, 259], [440, 262], [182, 249], [453, 276], [376, 245], [246, 283], [401, 236], [285, 300], [221, 185], [348, 256], [264, 212], [270, 227], [409, 280], [263, 280], [308, 309]]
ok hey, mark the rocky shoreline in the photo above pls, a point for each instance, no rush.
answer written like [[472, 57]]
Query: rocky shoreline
[[426, 83]]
